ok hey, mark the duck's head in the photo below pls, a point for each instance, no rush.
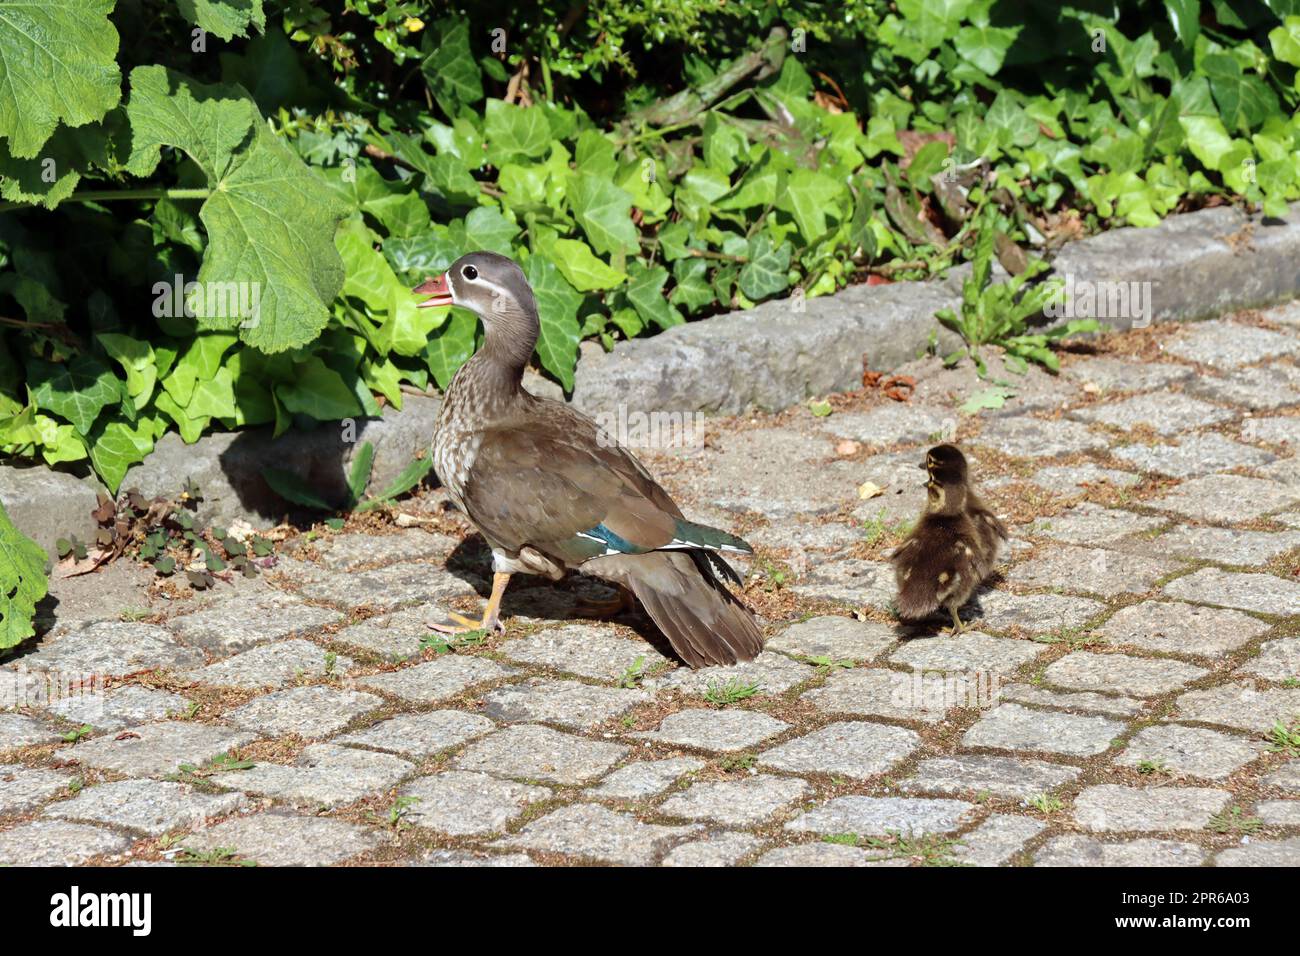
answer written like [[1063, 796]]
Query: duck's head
[[487, 284], [946, 467], [494, 288]]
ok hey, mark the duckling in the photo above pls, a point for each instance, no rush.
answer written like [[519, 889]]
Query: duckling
[[954, 545]]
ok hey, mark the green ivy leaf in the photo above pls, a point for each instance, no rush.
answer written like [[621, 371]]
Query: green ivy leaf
[[421, 256], [58, 63], [403, 328], [77, 390], [451, 345], [22, 582], [766, 272], [760, 185], [137, 360], [486, 228], [402, 214], [1245, 100], [448, 65], [200, 362], [581, 267], [1185, 16], [1285, 40], [934, 20], [645, 290], [985, 46], [691, 290], [117, 446], [809, 196], [1207, 139], [1009, 122], [557, 305], [514, 132], [604, 212], [319, 391]]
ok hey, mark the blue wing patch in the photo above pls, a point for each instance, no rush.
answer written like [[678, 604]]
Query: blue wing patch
[[614, 544]]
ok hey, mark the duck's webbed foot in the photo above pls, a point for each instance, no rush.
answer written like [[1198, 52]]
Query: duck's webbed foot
[[456, 623]]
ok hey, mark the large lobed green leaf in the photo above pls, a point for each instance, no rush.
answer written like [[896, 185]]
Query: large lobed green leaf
[[270, 220], [224, 18], [58, 63]]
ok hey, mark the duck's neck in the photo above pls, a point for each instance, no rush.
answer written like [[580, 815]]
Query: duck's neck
[[947, 500], [508, 344], [492, 378]]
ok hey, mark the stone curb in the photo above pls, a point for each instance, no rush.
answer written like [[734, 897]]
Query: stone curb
[[771, 357]]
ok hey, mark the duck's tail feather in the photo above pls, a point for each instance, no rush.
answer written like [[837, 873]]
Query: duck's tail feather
[[683, 594]]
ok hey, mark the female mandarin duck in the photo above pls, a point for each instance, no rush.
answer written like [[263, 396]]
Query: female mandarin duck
[[550, 492]]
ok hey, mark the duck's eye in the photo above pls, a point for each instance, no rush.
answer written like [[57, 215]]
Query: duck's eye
[[469, 272]]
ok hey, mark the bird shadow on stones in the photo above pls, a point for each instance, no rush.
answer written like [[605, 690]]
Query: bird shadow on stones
[[534, 596], [939, 623]]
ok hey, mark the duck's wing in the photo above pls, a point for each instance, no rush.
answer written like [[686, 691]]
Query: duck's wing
[[564, 490], [577, 499], [990, 533]]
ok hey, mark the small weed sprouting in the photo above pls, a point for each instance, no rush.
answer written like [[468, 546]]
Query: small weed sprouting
[[1234, 820], [397, 812], [825, 663], [1151, 767], [774, 576], [78, 733], [841, 839], [225, 763], [217, 856], [731, 691], [932, 850], [1284, 739], [1045, 803], [998, 313], [737, 763], [635, 673], [1077, 636], [878, 528], [446, 643]]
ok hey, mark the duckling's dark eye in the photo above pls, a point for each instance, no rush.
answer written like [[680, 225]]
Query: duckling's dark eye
[[469, 272]]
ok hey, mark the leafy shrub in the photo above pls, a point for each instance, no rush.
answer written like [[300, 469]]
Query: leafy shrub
[[331, 155]]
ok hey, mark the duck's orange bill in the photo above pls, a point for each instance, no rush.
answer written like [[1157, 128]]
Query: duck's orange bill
[[437, 288]]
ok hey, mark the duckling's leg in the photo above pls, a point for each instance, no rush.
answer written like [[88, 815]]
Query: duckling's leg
[[957, 625], [460, 624]]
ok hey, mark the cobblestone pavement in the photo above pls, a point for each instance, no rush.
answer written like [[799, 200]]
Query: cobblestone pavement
[[1123, 697]]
